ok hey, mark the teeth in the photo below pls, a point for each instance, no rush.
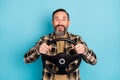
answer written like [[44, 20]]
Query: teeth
[[59, 26]]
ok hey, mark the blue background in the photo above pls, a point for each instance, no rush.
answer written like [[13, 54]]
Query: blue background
[[23, 22]]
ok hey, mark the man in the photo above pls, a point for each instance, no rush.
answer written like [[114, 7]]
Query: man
[[60, 21]]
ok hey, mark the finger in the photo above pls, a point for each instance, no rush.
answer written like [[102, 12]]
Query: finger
[[43, 51], [44, 48], [79, 45], [45, 45], [73, 47]]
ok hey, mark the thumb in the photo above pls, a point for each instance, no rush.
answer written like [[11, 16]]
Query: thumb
[[50, 47], [73, 47]]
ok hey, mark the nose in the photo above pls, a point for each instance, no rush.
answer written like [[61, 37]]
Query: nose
[[60, 22]]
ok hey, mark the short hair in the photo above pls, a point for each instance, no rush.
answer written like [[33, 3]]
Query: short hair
[[59, 10]]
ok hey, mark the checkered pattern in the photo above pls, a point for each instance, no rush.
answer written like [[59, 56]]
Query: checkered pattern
[[33, 54]]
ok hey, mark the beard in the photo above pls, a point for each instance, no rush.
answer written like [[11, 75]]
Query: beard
[[60, 32]]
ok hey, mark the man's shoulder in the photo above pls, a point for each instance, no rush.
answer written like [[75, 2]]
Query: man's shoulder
[[74, 35], [47, 36]]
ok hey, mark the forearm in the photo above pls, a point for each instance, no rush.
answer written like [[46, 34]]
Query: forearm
[[90, 57], [33, 54]]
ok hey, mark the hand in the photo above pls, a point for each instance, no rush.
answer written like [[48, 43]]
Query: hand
[[44, 48], [79, 48]]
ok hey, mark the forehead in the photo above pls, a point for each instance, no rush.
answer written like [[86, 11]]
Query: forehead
[[60, 14]]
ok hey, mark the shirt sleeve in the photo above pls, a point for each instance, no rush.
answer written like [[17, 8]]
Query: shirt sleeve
[[88, 56], [33, 54]]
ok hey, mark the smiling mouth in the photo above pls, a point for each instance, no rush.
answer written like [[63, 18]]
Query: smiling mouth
[[60, 28]]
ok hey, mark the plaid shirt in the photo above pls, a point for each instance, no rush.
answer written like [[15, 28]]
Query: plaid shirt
[[33, 54]]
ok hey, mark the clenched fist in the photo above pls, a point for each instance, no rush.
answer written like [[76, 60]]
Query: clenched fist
[[79, 48], [44, 48]]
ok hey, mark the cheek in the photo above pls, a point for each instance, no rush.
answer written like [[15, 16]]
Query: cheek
[[55, 23], [66, 25]]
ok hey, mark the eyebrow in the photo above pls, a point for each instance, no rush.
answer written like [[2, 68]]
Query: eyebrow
[[63, 17]]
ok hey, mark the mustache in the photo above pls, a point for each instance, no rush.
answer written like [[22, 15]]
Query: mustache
[[59, 25]]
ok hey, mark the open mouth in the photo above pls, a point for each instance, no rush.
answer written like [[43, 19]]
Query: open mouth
[[60, 28]]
